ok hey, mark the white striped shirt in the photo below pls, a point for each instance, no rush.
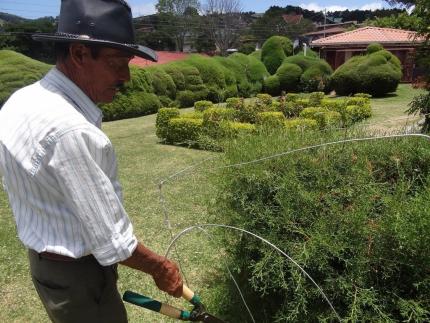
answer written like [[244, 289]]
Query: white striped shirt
[[60, 172]]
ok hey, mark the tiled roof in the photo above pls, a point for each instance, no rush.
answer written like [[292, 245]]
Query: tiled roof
[[327, 31], [163, 57], [292, 18], [367, 35]]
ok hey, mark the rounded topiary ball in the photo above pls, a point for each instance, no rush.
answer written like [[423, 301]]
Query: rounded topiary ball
[[373, 48], [289, 76], [274, 51]]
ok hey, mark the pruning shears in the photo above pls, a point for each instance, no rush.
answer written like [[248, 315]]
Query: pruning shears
[[198, 314]]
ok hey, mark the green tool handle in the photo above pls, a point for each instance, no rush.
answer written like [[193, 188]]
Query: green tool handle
[[156, 306]]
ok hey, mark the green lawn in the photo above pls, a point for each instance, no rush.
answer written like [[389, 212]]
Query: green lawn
[[143, 162]]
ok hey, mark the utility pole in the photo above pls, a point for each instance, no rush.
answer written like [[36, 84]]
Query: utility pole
[[325, 20]]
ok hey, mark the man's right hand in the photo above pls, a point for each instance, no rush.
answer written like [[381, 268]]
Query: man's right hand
[[169, 279], [164, 271]]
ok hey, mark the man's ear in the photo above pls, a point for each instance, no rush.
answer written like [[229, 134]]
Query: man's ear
[[79, 54]]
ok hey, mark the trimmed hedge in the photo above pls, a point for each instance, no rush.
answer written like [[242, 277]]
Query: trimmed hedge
[[184, 130], [377, 73], [162, 121], [267, 112], [270, 119], [17, 71], [274, 51], [305, 74], [354, 216]]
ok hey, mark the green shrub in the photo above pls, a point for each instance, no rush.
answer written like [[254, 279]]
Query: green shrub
[[140, 80], [291, 97], [359, 112], [162, 121], [184, 130], [235, 103], [234, 129], [374, 47], [362, 95], [176, 75], [315, 74], [210, 70], [17, 71], [274, 51], [354, 216], [212, 118], [315, 98], [323, 117], [165, 101], [256, 54], [272, 85], [162, 82], [270, 119], [187, 98], [376, 73], [263, 102], [301, 124], [192, 115], [130, 105], [289, 76], [203, 105]]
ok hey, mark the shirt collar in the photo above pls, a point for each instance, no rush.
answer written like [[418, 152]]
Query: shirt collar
[[73, 93]]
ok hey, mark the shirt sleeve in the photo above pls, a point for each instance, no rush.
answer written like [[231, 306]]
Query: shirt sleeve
[[84, 165]]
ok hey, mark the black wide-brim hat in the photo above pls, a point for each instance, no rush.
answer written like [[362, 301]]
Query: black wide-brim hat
[[101, 22]]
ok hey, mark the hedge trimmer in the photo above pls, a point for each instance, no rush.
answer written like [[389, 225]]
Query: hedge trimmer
[[198, 314]]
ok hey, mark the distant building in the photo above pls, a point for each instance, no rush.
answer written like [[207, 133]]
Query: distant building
[[337, 49], [292, 19]]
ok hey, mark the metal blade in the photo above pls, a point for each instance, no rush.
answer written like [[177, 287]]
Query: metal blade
[[208, 318]]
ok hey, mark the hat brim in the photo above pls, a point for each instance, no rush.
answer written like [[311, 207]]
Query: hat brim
[[138, 50]]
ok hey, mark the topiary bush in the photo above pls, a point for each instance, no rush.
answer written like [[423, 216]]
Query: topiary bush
[[301, 124], [184, 130], [270, 119], [305, 74], [203, 105], [212, 119], [17, 71], [272, 85], [162, 121], [377, 73], [354, 216], [130, 104], [289, 77], [274, 51]]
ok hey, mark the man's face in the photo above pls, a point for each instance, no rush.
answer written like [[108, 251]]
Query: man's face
[[106, 73]]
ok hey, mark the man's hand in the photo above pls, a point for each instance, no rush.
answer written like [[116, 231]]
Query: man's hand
[[164, 271], [168, 279]]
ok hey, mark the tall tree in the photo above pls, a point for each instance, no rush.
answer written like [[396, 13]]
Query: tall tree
[[223, 22], [178, 18]]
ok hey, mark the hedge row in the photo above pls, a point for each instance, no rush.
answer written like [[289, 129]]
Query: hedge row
[[354, 216], [290, 112], [180, 84], [17, 71]]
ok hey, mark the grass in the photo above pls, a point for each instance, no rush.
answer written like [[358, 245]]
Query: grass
[[143, 163]]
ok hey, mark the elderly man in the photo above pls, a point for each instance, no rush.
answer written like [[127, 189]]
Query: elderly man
[[60, 172]]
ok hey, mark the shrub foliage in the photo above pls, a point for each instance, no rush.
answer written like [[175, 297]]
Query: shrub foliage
[[354, 216], [17, 71], [377, 73]]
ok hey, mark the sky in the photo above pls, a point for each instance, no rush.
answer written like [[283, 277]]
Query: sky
[[41, 8]]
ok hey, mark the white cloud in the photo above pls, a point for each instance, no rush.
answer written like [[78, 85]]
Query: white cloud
[[372, 6], [330, 8], [142, 9]]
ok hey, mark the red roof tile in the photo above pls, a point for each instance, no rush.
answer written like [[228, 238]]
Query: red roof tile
[[163, 57], [292, 18], [367, 35]]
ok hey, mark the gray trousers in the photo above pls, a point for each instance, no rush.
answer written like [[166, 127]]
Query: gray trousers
[[77, 291]]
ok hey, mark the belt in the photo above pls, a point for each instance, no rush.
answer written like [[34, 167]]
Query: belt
[[56, 257]]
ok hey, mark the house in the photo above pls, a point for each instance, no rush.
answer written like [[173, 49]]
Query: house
[[329, 30], [336, 49], [292, 19]]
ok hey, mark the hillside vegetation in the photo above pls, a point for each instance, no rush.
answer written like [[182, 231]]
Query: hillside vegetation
[[16, 71]]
